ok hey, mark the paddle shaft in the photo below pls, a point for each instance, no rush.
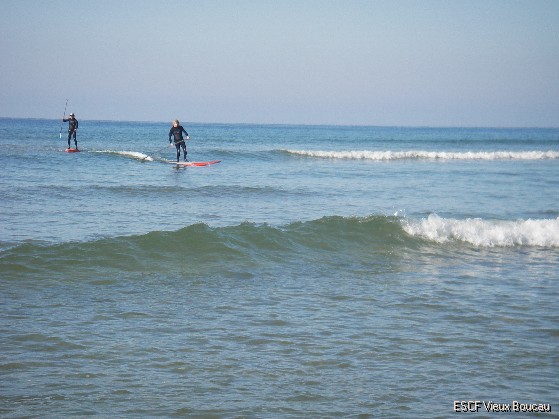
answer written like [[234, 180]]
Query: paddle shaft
[[60, 135], [156, 151]]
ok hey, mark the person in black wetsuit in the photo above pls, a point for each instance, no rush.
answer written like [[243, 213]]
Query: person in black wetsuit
[[72, 128], [176, 132]]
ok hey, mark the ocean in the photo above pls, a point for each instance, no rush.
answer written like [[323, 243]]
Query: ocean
[[315, 272]]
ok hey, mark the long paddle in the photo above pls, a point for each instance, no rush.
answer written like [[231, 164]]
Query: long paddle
[[60, 135]]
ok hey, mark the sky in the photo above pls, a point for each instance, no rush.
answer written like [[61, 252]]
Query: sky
[[486, 63]]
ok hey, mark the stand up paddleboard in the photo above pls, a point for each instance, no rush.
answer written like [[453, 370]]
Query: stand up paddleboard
[[71, 150], [194, 163]]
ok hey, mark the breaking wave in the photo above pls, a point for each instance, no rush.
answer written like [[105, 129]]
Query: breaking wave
[[428, 155], [329, 241], [486, 233], [131, 154]]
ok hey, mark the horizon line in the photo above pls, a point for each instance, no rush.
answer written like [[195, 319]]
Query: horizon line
[[300, 124]]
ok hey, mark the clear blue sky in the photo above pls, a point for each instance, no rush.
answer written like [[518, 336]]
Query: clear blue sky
[[358, 62]]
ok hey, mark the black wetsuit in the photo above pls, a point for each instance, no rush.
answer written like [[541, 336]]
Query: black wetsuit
[[72, 130], [176, 132]]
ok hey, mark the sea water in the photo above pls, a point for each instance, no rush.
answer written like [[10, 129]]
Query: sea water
[[317, 271]]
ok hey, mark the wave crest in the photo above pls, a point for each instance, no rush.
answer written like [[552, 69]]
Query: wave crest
[[486, 233], [428, 155], [132, 154]]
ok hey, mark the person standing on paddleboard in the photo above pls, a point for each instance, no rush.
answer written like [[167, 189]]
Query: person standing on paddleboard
[[176, 132], [72, 128]]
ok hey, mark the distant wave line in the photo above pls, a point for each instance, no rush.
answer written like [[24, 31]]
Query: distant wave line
[[432, 155]]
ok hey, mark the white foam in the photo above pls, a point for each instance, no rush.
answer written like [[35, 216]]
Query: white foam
[[133, 154], [433, 155], [486, 233]]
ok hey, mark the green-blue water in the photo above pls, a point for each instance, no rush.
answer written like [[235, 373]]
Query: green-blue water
[[315, 272]]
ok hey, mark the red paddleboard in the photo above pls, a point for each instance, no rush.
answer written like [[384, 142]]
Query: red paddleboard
[[195, 163], [71, 150]]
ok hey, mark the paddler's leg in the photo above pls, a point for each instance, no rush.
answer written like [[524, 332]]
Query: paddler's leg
[[184, 150]]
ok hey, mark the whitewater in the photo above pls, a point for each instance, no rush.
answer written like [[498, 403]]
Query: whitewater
[[485, 233], [421, 154]]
